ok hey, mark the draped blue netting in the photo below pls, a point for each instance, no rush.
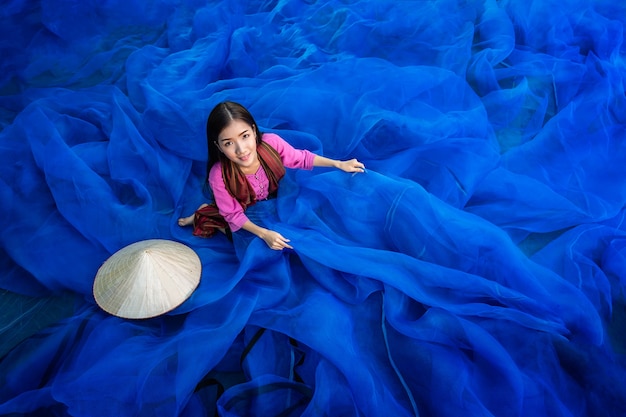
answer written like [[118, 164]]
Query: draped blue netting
[[478, 268]]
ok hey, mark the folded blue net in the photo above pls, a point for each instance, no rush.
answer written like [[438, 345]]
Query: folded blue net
[[477, 268]]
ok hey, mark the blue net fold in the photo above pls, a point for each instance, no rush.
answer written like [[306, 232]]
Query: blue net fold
[[477, 268]]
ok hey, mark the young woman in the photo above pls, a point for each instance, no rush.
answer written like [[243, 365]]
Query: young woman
[[244, 169]]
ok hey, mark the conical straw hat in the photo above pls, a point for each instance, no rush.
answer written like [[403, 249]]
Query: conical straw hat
[[147, 279]]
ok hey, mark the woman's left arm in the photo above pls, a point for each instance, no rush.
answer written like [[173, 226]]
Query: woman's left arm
[[352, 165], [304, 159]]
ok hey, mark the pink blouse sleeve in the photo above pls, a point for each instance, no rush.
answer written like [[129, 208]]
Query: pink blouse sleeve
[[291, 157], [228, 206]]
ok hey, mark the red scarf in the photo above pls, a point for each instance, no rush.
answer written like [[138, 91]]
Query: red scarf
[[208, 219]]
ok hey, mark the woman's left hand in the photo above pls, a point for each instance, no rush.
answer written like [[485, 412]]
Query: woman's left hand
[[353, 165]]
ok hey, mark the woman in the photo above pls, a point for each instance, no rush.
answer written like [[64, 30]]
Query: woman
[[244, 168]]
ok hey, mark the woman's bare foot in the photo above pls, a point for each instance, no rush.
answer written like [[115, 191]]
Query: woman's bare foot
[[186, 221]]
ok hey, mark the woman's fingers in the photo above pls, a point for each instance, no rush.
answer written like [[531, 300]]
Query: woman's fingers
[[278, 242], [281, 246], [282, 243]]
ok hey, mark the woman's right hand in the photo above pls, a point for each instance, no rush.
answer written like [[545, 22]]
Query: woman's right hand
[[275, 240]]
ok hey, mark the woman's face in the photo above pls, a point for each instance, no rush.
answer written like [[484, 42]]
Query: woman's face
[[238, 142]]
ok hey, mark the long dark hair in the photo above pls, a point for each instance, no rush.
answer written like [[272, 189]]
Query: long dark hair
[[221, 116]]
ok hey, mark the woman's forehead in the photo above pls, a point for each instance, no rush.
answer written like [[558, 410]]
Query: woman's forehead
[[234, 129]]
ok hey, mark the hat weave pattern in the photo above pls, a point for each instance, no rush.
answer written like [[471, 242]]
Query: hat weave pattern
[[147, 278]]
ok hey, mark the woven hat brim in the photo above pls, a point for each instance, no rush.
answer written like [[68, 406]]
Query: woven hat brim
[[147, 278]]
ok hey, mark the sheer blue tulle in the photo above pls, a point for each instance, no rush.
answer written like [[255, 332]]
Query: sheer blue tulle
[[478, 268]]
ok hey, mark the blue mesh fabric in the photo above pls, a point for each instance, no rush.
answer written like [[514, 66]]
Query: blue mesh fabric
[[476, 269]]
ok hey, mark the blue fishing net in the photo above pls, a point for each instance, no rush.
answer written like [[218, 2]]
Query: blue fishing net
[[476, 269]]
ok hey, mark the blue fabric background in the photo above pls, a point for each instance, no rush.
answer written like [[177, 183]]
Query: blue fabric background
[[477, 269]]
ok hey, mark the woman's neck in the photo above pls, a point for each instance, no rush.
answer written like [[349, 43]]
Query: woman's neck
[[252, 169]]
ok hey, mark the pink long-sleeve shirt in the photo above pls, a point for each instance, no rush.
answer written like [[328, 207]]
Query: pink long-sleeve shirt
[[228, 206]]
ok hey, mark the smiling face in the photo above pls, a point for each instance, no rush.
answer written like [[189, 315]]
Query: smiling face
[[237, 141]]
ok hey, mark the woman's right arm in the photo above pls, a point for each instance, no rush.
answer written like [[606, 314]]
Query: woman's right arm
[[228, 206], [273, 239], [233, 213]]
